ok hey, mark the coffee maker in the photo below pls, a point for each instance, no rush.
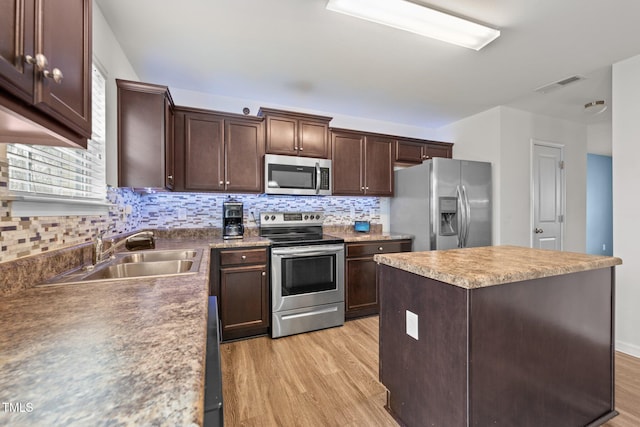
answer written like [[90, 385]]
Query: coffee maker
[[232, 212]]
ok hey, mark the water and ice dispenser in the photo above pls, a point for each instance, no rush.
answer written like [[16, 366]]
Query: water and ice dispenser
[[448, 209]]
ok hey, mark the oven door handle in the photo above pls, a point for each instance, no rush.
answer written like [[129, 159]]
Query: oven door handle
[[290, 252]]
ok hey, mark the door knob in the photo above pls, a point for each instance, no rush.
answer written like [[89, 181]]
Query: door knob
[[538, 230]]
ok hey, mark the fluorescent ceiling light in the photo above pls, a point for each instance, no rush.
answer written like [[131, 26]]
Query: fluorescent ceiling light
[[418, 19]]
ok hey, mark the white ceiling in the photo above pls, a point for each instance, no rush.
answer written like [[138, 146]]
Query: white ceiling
[[298, 54]]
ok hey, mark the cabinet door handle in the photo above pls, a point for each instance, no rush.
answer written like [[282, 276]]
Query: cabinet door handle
[[366, 188], [228, 182], [301, 148], [170, 177], [40, 61], [56, 75], [264, 273], [221, 183], [362, 188]]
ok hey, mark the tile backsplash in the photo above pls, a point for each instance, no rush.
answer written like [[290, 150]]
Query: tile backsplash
[[24, 236], [196, 210]]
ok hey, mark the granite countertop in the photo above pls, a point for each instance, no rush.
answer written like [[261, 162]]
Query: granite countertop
[[472, 268], [353, 236], [220, 243], [122, 352]]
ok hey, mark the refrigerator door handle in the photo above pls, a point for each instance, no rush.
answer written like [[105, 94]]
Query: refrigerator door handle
[[462, 222], [467, 215]]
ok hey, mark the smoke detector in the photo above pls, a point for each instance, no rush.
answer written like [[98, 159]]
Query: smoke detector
[[595, 107]]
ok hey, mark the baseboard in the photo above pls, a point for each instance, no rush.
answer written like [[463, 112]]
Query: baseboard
[[631, 349]]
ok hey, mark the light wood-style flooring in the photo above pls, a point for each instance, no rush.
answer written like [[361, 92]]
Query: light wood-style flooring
[[330, 378]]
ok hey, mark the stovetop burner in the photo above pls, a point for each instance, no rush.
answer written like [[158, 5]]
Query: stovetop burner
[[294, 229]]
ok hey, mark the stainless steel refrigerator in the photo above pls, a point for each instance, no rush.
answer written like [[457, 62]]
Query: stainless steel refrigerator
[[444, 203]]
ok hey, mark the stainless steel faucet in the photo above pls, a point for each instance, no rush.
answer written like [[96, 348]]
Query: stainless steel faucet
[[100, 254]]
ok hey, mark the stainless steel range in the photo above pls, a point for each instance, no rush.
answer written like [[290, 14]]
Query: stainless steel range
[[307, 273]]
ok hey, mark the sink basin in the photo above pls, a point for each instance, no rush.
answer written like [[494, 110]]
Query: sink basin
[[140, 269], [155, 263], [152, 256]]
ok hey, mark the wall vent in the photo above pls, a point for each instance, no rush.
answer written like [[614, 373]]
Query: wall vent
[[559, 84]]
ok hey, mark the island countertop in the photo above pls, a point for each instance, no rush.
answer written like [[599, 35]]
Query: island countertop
[[472, 268], [122, 352]]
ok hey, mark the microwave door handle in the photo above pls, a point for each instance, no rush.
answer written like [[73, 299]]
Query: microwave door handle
[[318, 177]]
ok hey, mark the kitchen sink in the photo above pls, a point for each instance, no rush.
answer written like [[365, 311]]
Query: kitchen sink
[[140, 269], [152, 256], [154, 263]]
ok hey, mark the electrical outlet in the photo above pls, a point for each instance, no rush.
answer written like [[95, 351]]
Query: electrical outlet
[[182, 214], [412, 325]]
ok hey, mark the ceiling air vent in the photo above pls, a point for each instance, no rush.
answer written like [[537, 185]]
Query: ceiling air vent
[[560, 83]]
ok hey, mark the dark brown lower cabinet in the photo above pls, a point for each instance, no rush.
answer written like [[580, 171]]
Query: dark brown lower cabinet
[[240, 280], [361, 292]]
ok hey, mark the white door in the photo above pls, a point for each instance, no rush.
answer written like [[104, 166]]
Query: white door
[[548, 196]]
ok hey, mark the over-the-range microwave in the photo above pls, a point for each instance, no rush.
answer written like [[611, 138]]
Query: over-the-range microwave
[[297, 175]]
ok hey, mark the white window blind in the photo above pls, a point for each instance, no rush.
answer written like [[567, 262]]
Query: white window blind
[[64, 174]]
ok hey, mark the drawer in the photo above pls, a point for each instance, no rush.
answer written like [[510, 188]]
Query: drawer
[[243, 256], [380, 247]]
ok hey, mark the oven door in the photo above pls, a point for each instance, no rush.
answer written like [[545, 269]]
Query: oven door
[[305, 276]]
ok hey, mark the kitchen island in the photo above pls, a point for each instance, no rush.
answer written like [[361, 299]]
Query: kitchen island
[[499, 335]]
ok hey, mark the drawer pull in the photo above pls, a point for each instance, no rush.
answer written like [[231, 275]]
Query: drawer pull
[[55, 74], [380, 248], [243, 257]]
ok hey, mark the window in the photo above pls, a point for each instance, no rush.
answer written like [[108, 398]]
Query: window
[[47, 181]]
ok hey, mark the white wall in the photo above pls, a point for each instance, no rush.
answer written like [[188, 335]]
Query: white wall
[[235, 105], [626, 204], [599, 138], [503, 136], [111, 60]]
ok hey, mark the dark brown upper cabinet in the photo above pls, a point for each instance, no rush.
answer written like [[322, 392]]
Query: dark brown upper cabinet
[[414, 151], [362, 163], [218, 151], [145, 135], [296, 134], [45, 71]]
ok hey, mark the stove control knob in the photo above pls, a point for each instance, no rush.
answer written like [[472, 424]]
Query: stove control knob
[[307, 217], [266, 217], [317, 216], [273, 217]]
